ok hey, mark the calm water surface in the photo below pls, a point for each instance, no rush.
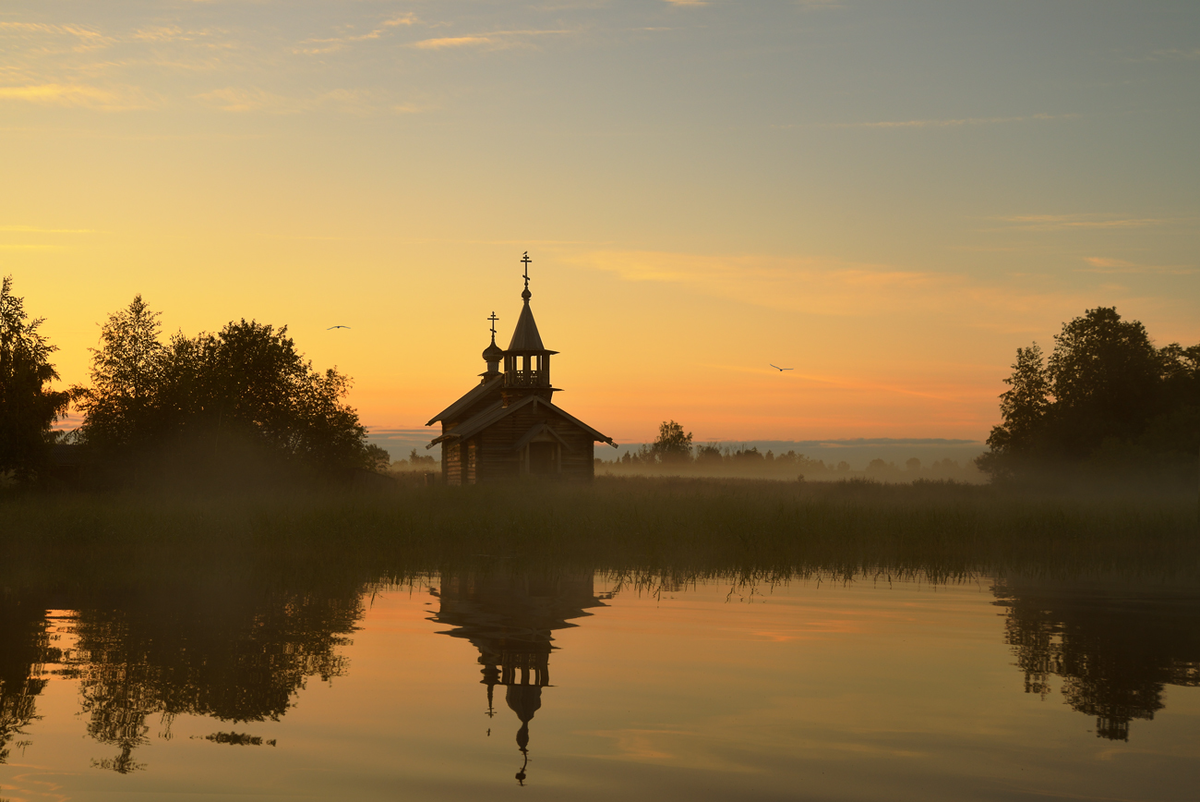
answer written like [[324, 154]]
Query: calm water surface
[[588, 686]]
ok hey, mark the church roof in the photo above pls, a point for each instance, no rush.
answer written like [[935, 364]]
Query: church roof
[[478, 393], [497, 412], [525, 338]]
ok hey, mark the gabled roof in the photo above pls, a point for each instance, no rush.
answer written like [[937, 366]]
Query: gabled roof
[[478, 393], [497, 411], [537, 429], [525, 337]]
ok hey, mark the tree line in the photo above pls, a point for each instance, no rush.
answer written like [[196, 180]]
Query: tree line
[[674, 451], [238, 405]]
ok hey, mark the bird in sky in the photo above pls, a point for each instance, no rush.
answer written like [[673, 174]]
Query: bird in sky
[[331, 328], [779, 368]]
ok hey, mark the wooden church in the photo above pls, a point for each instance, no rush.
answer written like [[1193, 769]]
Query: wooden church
[[507, 426]]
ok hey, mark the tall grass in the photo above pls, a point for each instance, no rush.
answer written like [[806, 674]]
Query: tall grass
[[681, 526]]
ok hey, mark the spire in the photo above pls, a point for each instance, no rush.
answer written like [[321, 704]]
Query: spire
[[526, 360], [526, 339]]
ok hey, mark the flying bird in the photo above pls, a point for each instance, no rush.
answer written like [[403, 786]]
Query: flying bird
[[779, 368], [331, 328]]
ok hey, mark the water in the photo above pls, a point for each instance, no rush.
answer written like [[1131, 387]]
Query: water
[[582, 686]]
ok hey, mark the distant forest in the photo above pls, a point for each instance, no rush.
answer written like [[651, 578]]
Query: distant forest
[[674, 453]]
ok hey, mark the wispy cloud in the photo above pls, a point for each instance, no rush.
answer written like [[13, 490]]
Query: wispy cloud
[[253, 99], [38, 230], [453, 41], [1100, 264], [821, 286], [942, 123], [75, 95], [85, 38], [1053, 222], [492, 39], [333, 44], [1173, 54], [869, 294]]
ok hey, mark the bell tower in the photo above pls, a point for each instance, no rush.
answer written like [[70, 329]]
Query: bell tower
[[526, 360]]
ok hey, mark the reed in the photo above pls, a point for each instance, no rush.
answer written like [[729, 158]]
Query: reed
[[690, 526]]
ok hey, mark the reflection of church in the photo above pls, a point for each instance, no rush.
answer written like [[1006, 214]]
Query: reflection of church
[[507, 426], [509, 618]]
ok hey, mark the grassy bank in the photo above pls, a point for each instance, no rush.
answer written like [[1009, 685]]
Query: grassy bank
[[685, 526]]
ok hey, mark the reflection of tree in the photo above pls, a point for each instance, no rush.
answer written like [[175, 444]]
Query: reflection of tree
[[24, 650], [509, 618], [1115, 646], [236, 655]]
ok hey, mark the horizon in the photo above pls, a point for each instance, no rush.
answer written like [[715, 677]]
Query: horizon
[[889, 198]]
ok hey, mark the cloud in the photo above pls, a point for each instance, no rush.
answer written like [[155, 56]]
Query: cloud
[[251, 99], [817, 286], [946, 123], [87, 39], [1100, 264], [453, 41], [497, 39], [1174, 54], [1053, 222], [335, 43], [64, 95], [867, 294], [37, 230]]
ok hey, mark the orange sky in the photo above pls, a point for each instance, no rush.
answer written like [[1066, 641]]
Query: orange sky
[[888, 197]]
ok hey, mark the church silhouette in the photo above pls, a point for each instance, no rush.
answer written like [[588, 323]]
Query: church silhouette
[[507, 426]]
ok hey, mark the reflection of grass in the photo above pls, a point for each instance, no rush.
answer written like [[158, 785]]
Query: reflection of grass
[[619, 524]]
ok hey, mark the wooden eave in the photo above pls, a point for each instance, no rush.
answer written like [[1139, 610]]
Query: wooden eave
[[476, 394], [475, 425]]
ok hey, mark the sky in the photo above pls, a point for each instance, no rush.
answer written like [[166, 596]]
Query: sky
[[888, 197]]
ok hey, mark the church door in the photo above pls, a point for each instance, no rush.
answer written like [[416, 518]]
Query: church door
[[543, 458]]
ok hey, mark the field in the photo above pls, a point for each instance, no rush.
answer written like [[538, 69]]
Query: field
[[644, 526]]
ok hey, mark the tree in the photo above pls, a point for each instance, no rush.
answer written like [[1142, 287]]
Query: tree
[[242, 404], [248, 390], [127, 370], [1105, 376], [672, 445], [1023, 408], [28, 407], [1106, 398]]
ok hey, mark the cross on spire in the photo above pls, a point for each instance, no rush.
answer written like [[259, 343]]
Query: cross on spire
[[525, 260], [493, 318]]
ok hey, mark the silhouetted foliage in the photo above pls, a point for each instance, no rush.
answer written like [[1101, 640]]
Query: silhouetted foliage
[[28, 406], [672, 445], [223, 406], [120, 410], [1106, 399]]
